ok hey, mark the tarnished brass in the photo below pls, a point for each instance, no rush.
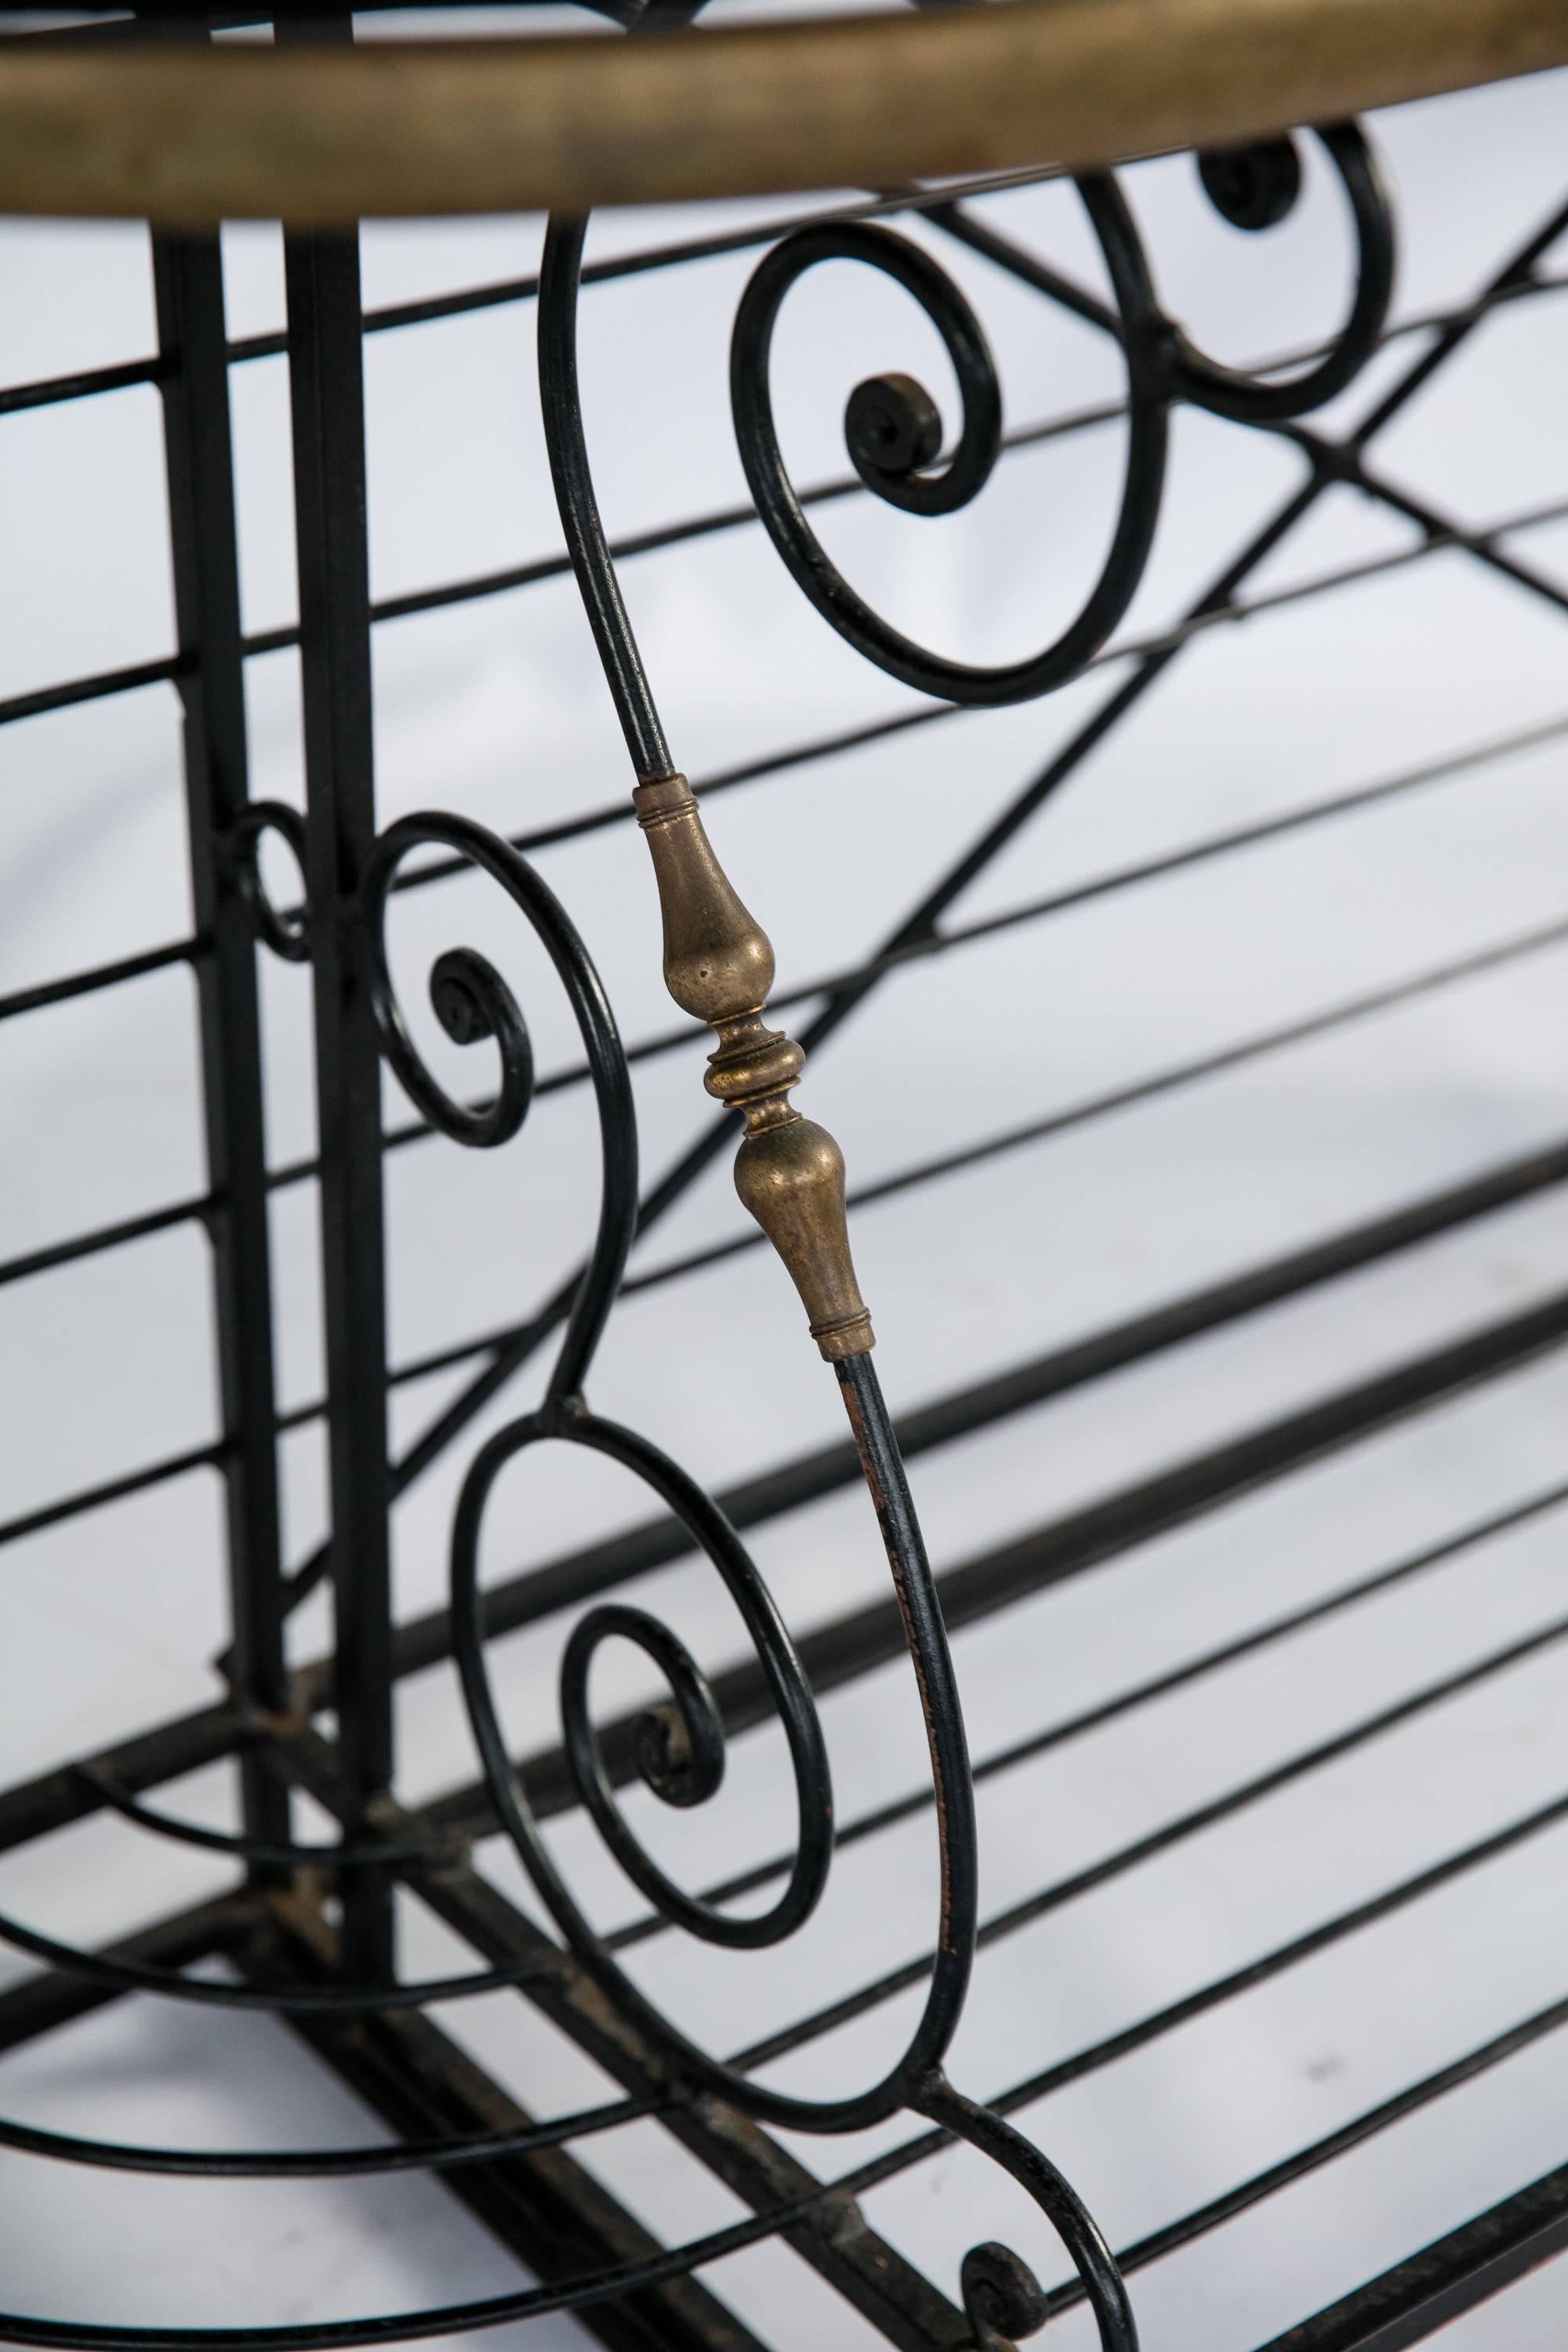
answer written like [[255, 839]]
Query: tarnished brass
[[190, 133], [719, 967]]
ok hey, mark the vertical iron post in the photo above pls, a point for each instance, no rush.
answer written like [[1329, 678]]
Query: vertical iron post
[[327, 398], [188, 286]]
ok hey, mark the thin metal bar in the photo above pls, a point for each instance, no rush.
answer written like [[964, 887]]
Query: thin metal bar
[[852, 1645], [112, 1490], [521, 1599], [327, 404], [107, 1237], [187, 276], [544, 2206], [93, 977], [1451, 973], [42, 2003], [1237, 1799], [1446, 2279], [1067, 1728], [1443, 530], [89, 689], [49, 390], [1018, 262], [35, 1809]]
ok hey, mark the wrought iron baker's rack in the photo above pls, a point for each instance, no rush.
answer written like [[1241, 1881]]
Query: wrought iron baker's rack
[[89, 120]]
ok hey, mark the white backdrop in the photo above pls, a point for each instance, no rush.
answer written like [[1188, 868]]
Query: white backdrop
[[497, 709]]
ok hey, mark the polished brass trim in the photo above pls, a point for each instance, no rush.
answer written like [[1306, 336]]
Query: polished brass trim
[[719, 967], [189, 135]]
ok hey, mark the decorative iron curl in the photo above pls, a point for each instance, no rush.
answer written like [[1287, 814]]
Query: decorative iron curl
[[1254, 188], [692, 1723], [718, 965], [472, 1003], [284, 933], [1001, 2297], [677, 1749], [680, 1744], [467, 995], [893, 430]]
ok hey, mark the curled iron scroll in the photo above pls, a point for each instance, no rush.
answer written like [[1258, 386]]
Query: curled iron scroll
[[1255, 188], [893, 429], [888, 417], [894, 435]]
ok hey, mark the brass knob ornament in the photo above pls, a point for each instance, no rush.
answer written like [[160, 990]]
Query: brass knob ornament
[[719, 967]]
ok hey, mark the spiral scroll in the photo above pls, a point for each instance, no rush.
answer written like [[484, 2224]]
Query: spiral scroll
[[894, 433], [1254, 188], [893, 429], [719, 966]]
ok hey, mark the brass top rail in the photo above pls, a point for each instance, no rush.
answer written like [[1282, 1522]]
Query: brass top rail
[[186, 134]]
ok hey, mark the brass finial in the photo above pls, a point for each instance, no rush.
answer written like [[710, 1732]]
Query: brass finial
[[719, 966]]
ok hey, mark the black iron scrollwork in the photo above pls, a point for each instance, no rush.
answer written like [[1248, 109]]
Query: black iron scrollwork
[[894, 435], [284, 933], [719, 966], [1254, 188], [893, 429]]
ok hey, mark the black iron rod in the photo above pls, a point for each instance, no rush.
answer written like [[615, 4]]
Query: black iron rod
[[35, 1809], [852, 1645], [1354, 1009], [42, 2003], [187, 276], [93, 977], [1235, 1983], [107, 1237], [111, 1490], [578, 1576], [1410, 2302], [70, 691], [1237, 1799], [1067, 1728], [46, 392], [327, 400], [1495, 2052], [1451, 767]]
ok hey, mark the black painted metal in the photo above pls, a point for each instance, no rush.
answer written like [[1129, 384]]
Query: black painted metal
[[530, 2179], [327, 406], [194, 376]]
